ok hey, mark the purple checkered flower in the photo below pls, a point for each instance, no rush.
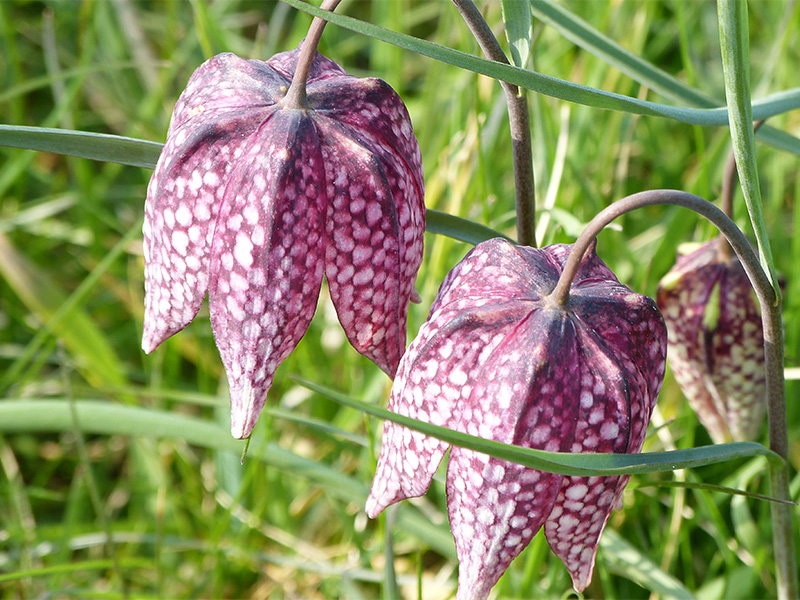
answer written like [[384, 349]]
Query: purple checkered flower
[[252, 201], [500, 359], [716, 341]]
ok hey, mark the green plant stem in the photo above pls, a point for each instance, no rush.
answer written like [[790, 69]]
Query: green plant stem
[[519, 121], [735, 50], [772, 320], [296, 95], [726, 195]]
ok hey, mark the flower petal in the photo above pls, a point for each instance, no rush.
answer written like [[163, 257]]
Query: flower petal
[[716, 342], [376, 219], [433, 377], [183, 201], [522, 395], [223, 103], [267, 259]]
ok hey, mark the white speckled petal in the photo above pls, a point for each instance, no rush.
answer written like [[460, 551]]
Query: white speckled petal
[[716, 342], [267, 260], [579, 377], [434, 375], [523, 395]]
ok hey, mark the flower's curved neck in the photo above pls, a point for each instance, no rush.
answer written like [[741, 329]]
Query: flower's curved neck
[[296, 95]]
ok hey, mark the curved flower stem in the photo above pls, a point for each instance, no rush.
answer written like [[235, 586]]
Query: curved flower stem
[[519, 120], [296, 95], [782, 527]]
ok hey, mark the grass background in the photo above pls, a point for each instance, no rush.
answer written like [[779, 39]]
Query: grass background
[[151, 461]]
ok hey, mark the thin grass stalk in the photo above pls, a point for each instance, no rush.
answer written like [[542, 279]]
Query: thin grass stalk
[[772, 321]]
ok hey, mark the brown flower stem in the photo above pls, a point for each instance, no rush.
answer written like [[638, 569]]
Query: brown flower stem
[[296, 95], [772, 320], [726, 195], [519, 121]]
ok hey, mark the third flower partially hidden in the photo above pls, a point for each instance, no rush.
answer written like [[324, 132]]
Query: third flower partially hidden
[[500, 359], [252, 201], [716, 341]]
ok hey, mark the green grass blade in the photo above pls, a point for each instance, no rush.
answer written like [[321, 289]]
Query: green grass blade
[[552, 86], [587, 37], [630, 562], [95, 146], [96, 357], [563, 463], [517, 21], [459, 228], [105, 418], [734, 44]]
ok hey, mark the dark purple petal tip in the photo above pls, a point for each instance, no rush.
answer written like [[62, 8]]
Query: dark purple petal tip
[[252, 202], [498, 360]]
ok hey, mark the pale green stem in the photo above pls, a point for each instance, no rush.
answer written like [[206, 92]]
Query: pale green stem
[[735, 49]]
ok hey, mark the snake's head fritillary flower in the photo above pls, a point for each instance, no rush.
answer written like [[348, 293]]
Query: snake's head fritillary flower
[[716, 341], [499, 359], [252, 201]]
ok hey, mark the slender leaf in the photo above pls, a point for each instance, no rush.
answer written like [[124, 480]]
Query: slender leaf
[[587, 37], [517, 20], [106, 418], [96, 146], [563, 463], [633, 564], [552, 86], [735, 44], [460, 229]]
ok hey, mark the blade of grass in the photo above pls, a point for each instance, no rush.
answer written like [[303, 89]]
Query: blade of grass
[[563, 463], [552, 86], [587, 37], [624, 558], [104, 418], [98, 361], [85, 144], [735, 48], [517, 21]]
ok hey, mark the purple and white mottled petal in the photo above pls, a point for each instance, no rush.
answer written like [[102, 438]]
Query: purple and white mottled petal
[[363, 259], [433, 378], [716, 342], [184, 197], [584, 504], [268, 257], [322, 67], [522, 395], [227, 82]]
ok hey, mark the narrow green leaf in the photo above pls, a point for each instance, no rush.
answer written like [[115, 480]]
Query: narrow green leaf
[[708, 487], [460, 229], [635, 565], [72, 567], [563, 463], [551, 86], [517, 20], [734, 45], [106, 418], [96, 358], [95, 146]]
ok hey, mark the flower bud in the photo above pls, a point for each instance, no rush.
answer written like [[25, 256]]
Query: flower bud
[[716, 341]]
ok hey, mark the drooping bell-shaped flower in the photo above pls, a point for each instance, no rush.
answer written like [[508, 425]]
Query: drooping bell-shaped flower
[[716, 341], [252, 201], [500, 359]]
